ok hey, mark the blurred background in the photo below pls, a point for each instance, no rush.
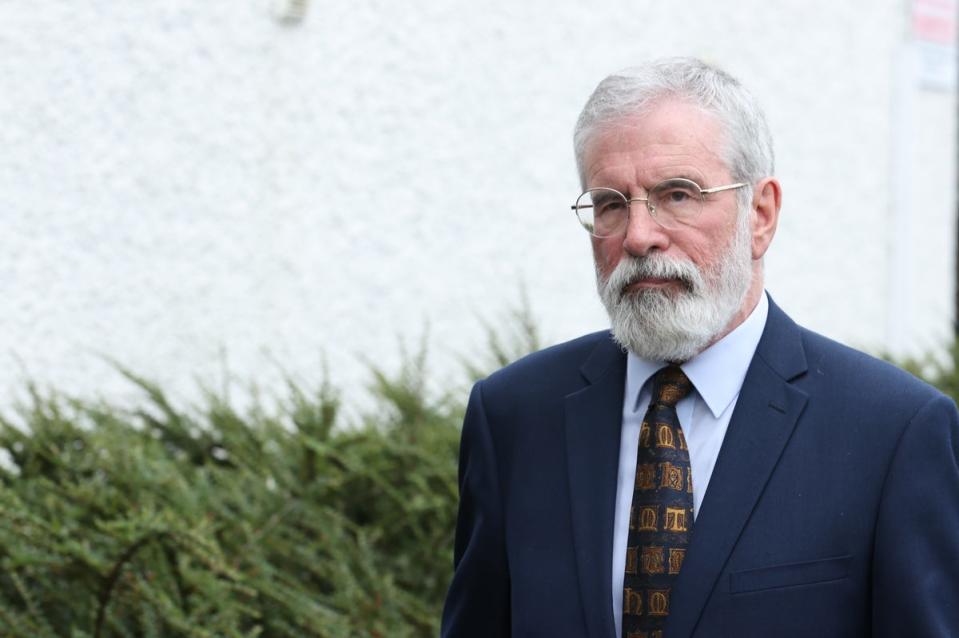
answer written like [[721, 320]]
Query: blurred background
[[251, 188]]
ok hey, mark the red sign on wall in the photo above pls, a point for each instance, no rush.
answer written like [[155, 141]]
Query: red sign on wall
[[934, 21], [934, 29]]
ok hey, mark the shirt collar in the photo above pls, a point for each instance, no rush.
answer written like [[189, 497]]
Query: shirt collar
[[717, 372]]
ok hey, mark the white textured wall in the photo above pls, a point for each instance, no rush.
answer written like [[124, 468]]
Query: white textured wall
[[186, 178]]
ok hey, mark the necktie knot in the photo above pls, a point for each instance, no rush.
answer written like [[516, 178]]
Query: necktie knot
[[670, 386]]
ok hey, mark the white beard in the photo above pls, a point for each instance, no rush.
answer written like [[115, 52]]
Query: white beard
[[662, 325]]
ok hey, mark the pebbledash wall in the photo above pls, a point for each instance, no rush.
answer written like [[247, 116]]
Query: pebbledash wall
[[195, 186]]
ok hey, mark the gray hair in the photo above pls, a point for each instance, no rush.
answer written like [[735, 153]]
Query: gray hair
[[748, 148]]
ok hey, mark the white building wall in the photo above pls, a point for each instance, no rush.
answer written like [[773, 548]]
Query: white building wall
[[193, 186]]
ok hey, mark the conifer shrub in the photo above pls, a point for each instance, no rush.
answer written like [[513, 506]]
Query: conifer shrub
[[158, 520], [161, 521]]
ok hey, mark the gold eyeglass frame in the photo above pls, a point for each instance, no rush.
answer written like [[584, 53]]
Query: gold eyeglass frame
[[649, 207]]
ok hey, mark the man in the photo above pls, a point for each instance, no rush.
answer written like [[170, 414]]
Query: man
[[708, 468]]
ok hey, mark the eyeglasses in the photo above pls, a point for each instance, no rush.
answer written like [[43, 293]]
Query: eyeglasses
[[604, 212]]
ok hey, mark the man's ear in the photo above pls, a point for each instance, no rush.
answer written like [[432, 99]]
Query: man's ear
[[764, 216]]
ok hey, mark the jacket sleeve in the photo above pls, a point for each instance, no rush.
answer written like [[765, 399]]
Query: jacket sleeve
[[916, 555], [478, 601]]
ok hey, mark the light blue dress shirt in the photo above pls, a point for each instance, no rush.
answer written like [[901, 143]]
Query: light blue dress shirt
[[717, 374]]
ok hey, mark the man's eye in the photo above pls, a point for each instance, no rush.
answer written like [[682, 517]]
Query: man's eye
[[673, 196], [608, 206], [676, 195]]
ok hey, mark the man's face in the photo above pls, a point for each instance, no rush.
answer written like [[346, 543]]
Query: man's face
[[670, 293]]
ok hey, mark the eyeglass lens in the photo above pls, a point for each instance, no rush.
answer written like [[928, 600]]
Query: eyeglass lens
[[604, 211]]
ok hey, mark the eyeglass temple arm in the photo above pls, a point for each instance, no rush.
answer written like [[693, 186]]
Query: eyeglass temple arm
[[716, 189]]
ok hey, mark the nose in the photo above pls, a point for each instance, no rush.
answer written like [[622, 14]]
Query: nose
[[643, 233]]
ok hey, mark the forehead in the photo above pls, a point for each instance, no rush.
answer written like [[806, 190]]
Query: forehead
[[670, 139]]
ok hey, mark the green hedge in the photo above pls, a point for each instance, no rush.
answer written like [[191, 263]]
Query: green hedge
[[208, 521], [162, 522]]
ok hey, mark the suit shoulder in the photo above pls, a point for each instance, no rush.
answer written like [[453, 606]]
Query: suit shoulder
[[563, 355], [557, 365], [871, 378]]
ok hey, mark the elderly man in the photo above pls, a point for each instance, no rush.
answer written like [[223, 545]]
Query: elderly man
[[707, 467]]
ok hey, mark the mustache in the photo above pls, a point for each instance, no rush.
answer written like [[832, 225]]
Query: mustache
[[631, 269]]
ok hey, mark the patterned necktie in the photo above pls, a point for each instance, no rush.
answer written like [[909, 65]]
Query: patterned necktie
[[661, 516]]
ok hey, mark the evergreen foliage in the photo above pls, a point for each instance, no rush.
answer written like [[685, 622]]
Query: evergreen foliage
[[158, 521]]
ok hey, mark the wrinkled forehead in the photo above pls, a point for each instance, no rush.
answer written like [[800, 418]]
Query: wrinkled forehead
[[673, 139]]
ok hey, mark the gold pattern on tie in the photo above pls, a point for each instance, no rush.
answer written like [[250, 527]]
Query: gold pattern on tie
[[661, 517]]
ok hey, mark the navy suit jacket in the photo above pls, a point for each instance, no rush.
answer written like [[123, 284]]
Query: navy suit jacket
[[832, 511]]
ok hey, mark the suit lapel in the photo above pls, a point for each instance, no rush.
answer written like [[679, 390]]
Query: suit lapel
[[593, 423], [762, 422]]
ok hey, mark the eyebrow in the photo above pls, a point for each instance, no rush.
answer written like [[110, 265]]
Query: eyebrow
[[686, 176], [682, 175]]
